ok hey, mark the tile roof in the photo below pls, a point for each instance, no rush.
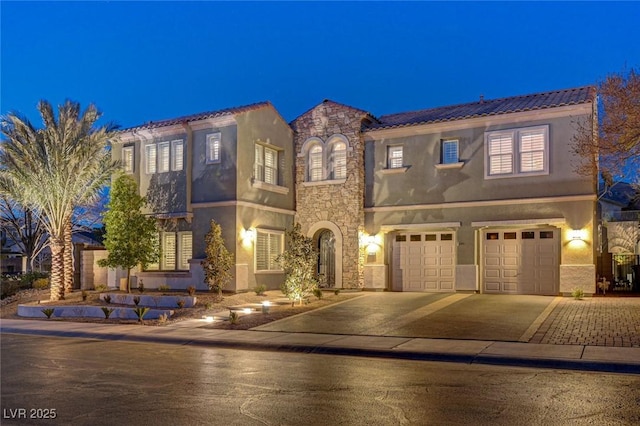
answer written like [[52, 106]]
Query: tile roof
[[196, 117], [485, 107]]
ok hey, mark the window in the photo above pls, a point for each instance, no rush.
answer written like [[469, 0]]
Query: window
[[339, 160], [155, 265], [315, 163], [266, 164], [177, 155], [268, 248], [168, 257], [213, 148], [150, 153], [185, 248], [517, 152], [127, 159], [163, 157], [175, 251], [446, 237], [449, 152], [394, 157]]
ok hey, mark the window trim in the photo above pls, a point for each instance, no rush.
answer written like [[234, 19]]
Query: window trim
[[516, 152], [260, 164], [443, 158], [213, 138]]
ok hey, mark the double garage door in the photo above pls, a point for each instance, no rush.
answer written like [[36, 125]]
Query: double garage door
[[520, 261], [424, 261]]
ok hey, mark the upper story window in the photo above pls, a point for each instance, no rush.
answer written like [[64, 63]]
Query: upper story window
[[127, 159], [164, 156], [269, 245], [150, 156], [339, 160], [177, 155], [449, 152], [315, 163], [395, 157], [517, 152], [265, 168], [213, 148]]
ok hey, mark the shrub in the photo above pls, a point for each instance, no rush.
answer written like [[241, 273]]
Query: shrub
[[218, 260], [162, 318], [233, 317], [208, 305], [577, 293], [260, 289], [85, 294], [107, 311], [141, 286], [27, 279], [336, 291], [48, 312], [140, 313], [164, 287], [136, 300], [317, 293], [100, 287], [180, 303], [299, 262], [40, 283], [191, 290], [107, 298]]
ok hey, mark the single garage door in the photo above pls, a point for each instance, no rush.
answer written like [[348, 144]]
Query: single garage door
[[521, 262], [424, 261]]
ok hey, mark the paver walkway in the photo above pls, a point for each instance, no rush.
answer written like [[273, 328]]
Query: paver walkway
[[593, 321]]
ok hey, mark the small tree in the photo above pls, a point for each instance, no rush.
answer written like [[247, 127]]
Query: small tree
[[131, 237], [299, 262], [218, 261]]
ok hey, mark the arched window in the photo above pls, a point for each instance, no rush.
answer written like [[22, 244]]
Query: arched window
[[314, 164], [338, 165]]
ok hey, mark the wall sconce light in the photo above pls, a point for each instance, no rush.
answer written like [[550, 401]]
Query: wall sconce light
[[577, 235], [248, 236], [372, 243]]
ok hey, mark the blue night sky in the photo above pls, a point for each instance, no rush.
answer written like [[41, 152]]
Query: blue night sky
[[141, 61]]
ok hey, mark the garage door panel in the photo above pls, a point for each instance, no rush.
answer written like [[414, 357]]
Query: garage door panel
[[426, 265], [521, 261]]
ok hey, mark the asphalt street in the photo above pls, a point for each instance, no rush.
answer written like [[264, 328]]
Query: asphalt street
[[98, 382]]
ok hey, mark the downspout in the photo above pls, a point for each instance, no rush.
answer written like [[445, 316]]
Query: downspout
[[189, 169]]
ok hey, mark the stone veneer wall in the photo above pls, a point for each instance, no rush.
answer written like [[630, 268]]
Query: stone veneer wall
[[342, 204]]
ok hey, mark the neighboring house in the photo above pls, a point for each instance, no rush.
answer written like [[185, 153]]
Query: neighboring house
[[620, 236], [474, 197], [234, 166]]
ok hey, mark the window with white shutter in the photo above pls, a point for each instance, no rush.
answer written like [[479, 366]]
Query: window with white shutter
[[395, 157], [177, 155], [150, 157], [155, 265], [268, 247], [168, 258], [258, 165], [185, 248], [339, 160], [265, 167], [517, 152], [127, 159], [213, 148], [315, 163], [163, 157]]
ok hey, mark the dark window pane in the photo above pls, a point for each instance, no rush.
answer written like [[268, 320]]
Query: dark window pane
[[546, 234], [528, 235], [416, 238], [493, 236], [401, 238], [430, 237], [510, 235], [446, 237]]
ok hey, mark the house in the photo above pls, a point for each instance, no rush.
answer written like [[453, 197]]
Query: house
[[474, 197], [234, 166]]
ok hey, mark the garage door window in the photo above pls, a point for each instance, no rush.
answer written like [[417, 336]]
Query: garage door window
[[430, 237], [416, 238], [546, 234], [528, 235], [493, 236], [446, 237], [401, 238], [510, 235]]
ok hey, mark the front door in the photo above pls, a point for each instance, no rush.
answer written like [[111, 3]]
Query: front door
[[326, 259]]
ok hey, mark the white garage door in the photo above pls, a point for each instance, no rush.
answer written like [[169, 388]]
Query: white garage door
[[424, 261], [521, 262]]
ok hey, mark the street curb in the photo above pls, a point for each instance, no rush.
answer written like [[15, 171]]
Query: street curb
[[513, 361]]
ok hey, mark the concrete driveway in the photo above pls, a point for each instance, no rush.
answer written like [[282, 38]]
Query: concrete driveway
[[432, 315]]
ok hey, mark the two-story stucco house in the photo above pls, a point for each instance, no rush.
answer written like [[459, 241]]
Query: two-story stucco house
[[475, 197], [234, 166]]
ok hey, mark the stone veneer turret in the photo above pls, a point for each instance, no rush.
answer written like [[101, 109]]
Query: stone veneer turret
[[338, 202]]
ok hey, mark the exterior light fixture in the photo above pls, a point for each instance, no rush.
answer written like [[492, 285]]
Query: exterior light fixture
[[246, 310], [248, 236], [577, 235], [266, 306], [208, 318]]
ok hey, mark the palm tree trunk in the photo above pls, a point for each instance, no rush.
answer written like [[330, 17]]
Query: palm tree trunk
[[68, 259], [57, 270]]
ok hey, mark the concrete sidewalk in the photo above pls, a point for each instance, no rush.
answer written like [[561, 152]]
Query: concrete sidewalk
[[575, 357]]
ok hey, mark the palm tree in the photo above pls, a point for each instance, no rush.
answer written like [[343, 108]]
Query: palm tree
[[55, 169]]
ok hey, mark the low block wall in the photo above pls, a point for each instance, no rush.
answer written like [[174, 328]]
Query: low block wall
[[151, 300], [35, 311]]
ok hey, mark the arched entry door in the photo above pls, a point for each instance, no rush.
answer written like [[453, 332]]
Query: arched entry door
[[327, 258]]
